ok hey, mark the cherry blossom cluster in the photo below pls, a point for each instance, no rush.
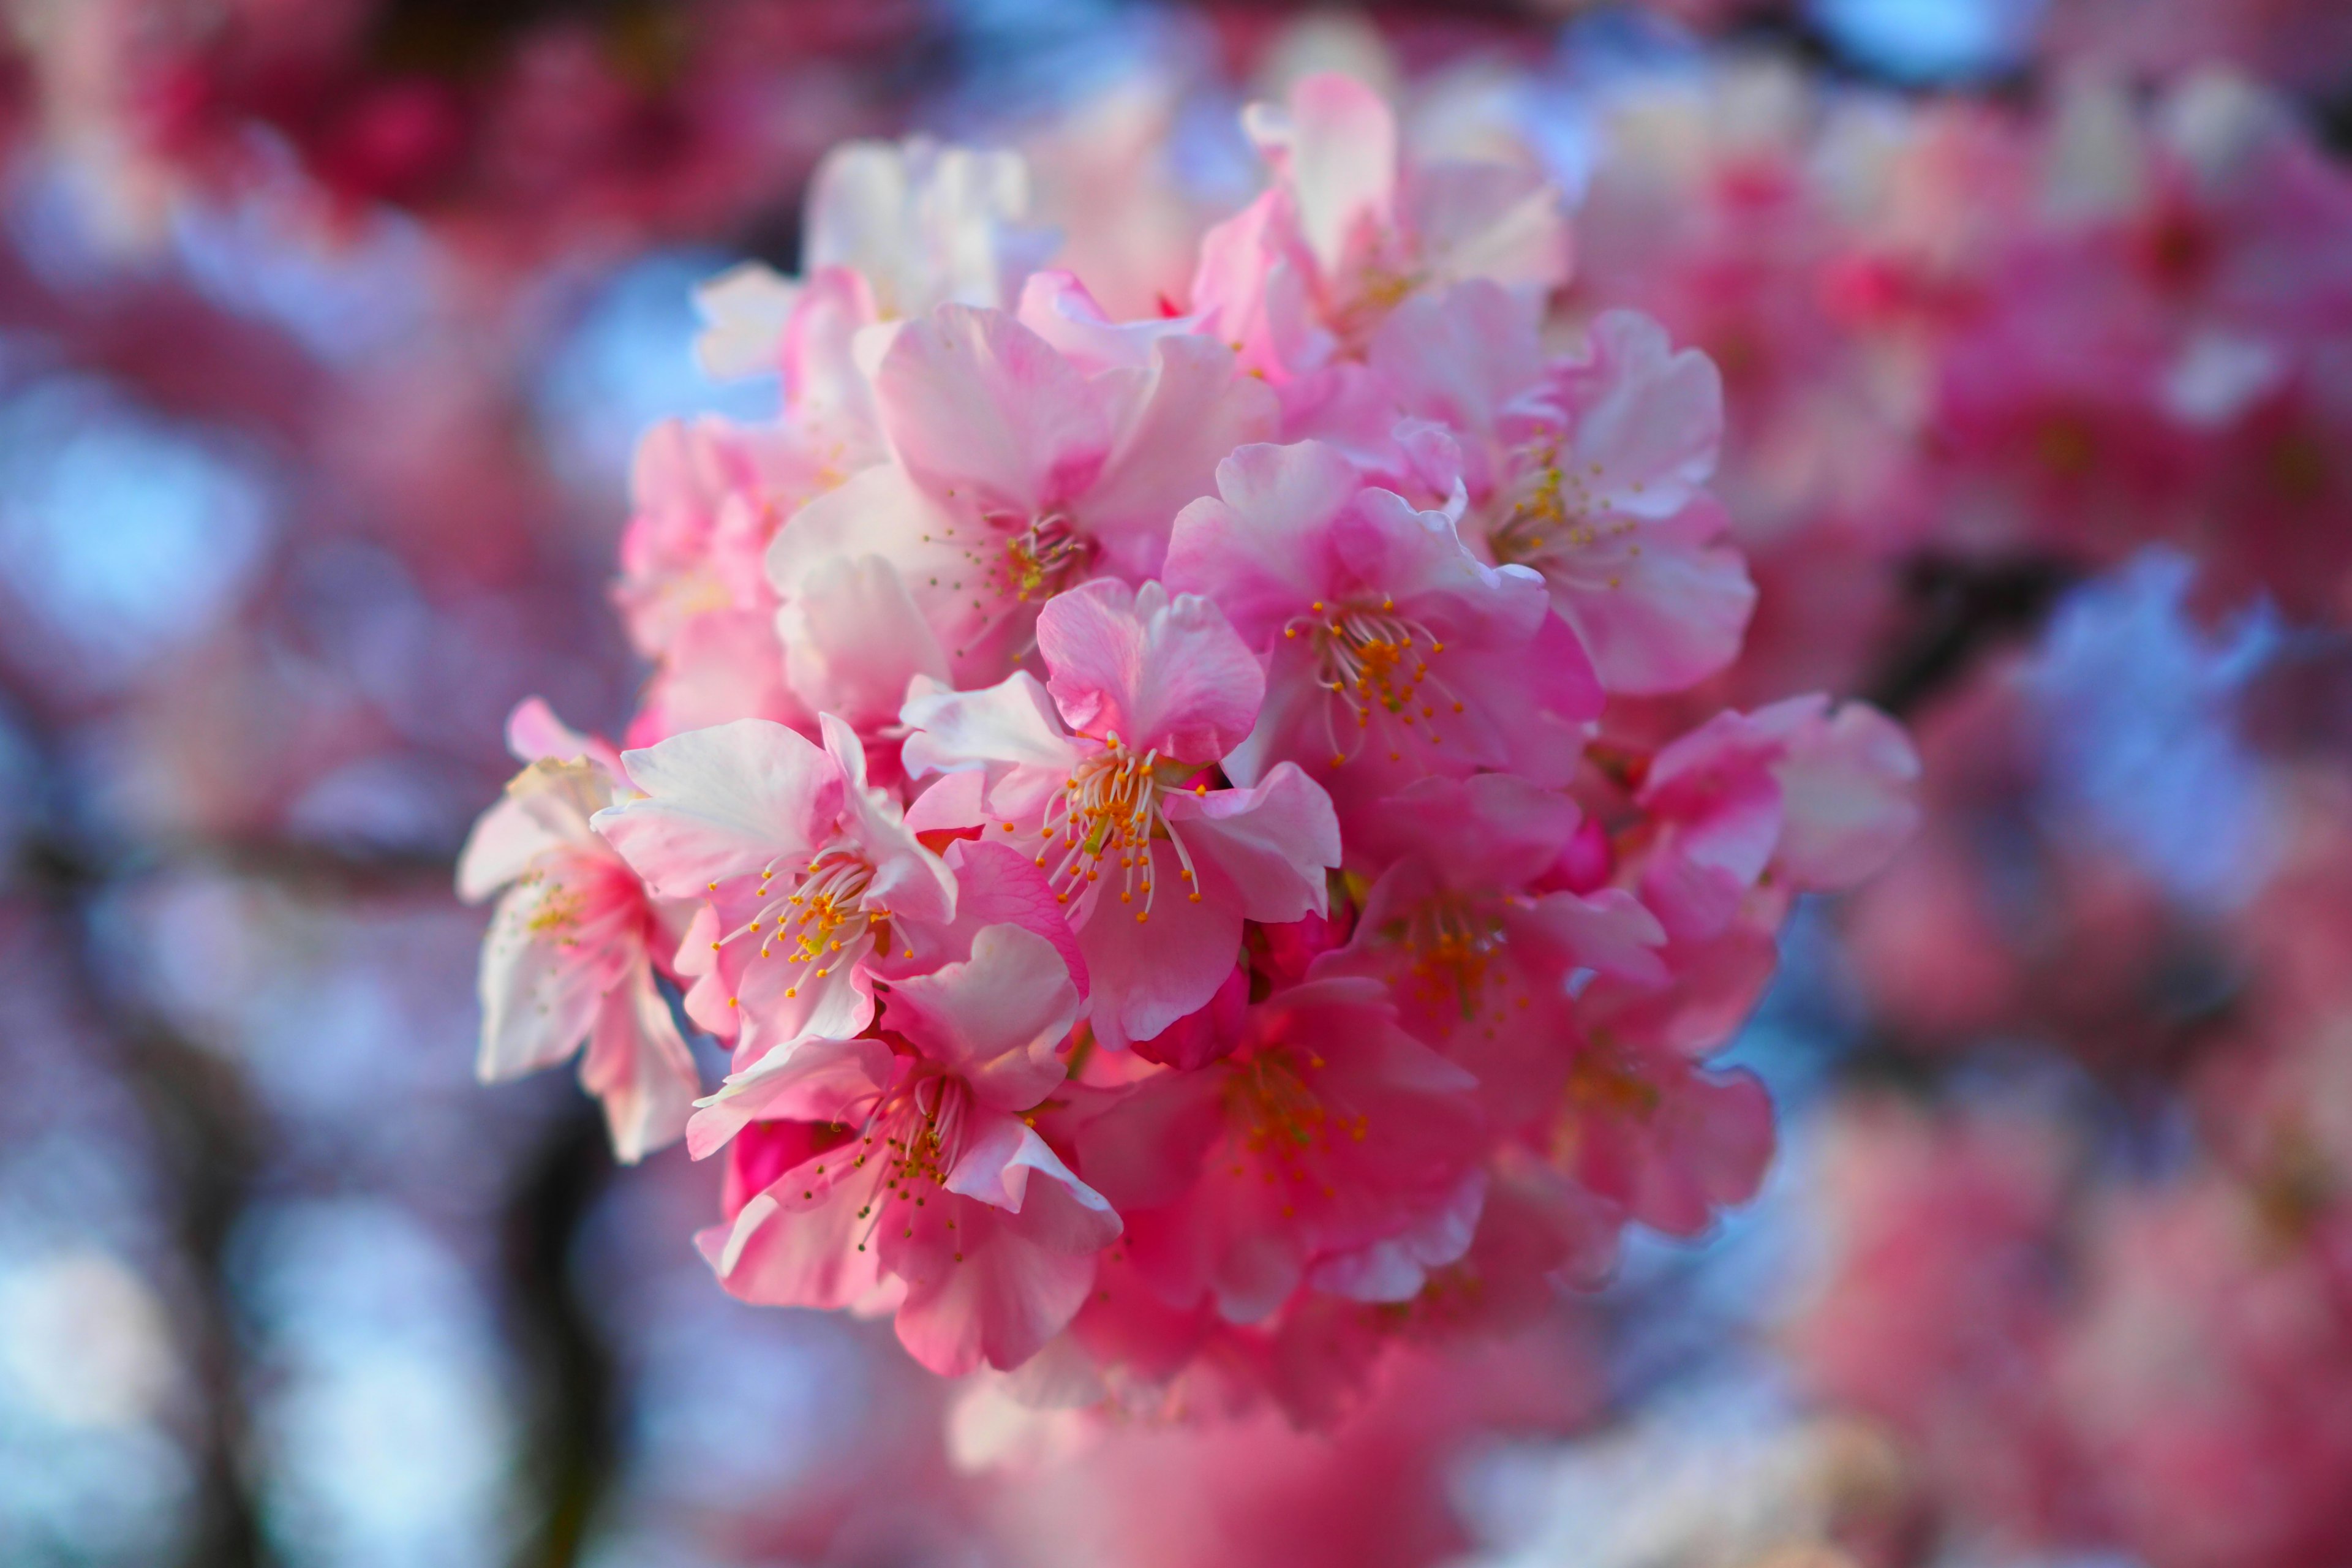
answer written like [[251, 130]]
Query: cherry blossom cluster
[[1959, 332], [1142, 801]]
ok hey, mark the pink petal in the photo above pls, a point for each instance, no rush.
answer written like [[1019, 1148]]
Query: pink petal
[[1491, 220], [853, 637], [544, 976], [808, 1080], [798, 1254], [1009, 733], [721, 666], [1660, 608], [1258, 549], [1649, 420], [638, 1066], [1161, 676], [998, 885], [534, 734], [1149, 974], [720, 802], [998, 1304], [1849, 794], [1272, 842], [1336, 149], [1006, 1165], [997, 1019], [1463, 357], [976, 404], [1174, 420]]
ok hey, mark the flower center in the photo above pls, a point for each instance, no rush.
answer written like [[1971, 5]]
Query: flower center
[[1040, 556], [1109, 805], [1553, 514], [1279, 1122], [823, 914], [912, 1137], [1457, 955], [1375, 662]]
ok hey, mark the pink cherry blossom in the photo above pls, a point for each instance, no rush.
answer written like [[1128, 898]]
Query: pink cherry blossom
[[1018, 470], [1331, 1149], [1351, 228], [910, 226], [810, 880], [1821, 799], [1667, 1140], [923, 1184], [570, 952], [1394, 653], [1608, 501], [1109, 779], [709, 498], [1478, 958]]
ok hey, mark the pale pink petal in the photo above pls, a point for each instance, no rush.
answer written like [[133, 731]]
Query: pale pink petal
[[1649, 420], [1012, 722], [804, 1254], [997, 1019], [1058, 308], [1848, 789], [1173, 421], [829, 396], [535, 734], [553, 951], [504, 843], [638, 1066], [1259, 549], [1464, 357], [1490, 220], [853, 637], [1659, 608], [1163, 676], [1336, 149], [720, 802], [721, 666], [974, 402], [909, 881], [806, 1079], [1251, 291], [743, 311], [1272, 842]]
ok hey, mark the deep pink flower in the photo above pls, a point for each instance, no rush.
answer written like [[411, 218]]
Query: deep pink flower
[[1392, 652], [1331, 1149], [923, 1186], [1478, 958], [1107, 781], [1592, 472], [1667, 1140]]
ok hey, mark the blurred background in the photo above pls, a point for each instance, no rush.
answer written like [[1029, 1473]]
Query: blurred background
[[326, 329]]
